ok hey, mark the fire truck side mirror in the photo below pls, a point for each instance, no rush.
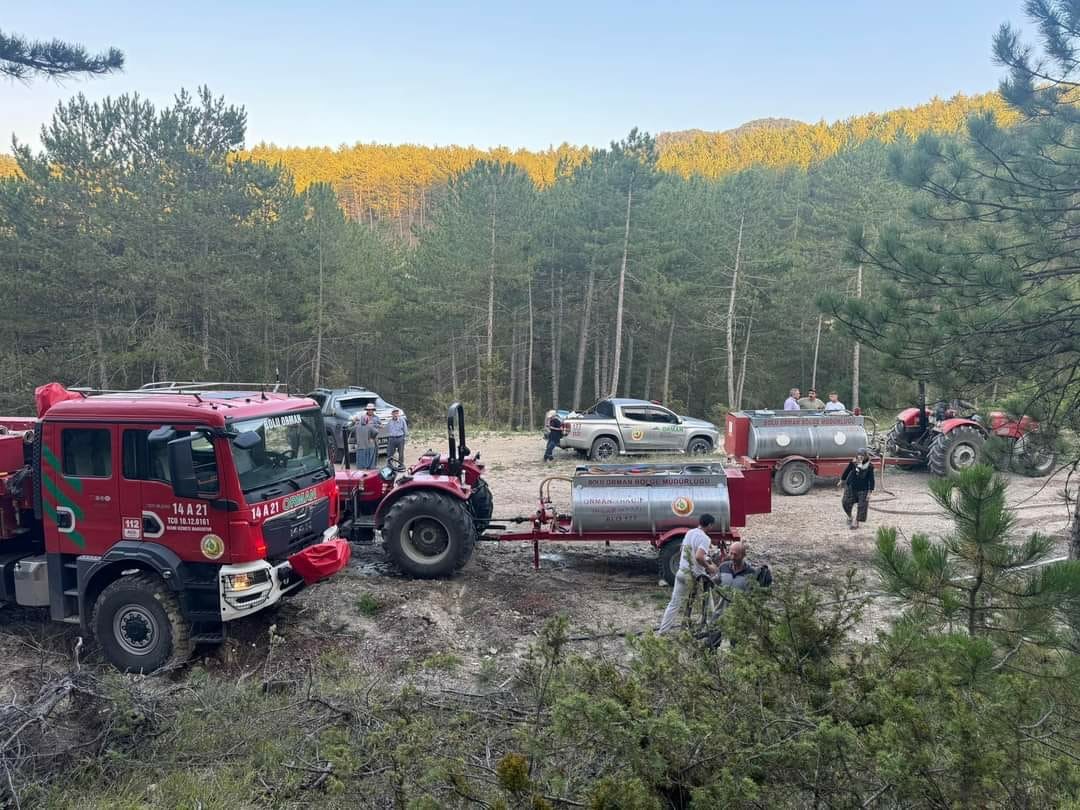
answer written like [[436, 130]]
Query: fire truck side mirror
[[182, 467]]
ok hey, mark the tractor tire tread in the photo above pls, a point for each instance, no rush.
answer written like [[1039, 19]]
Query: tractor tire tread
[[938, 457], [459, 522]]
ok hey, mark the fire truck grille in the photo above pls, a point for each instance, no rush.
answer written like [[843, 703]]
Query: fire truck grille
[[289, 533]]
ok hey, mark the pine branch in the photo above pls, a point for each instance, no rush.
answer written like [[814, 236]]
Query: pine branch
[[24, 59]]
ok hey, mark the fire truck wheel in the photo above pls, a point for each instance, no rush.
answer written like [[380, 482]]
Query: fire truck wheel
[[428, 534], [670, 558], [796, 478], [482, 505], [604, 448], [138, 624], [955, 451]]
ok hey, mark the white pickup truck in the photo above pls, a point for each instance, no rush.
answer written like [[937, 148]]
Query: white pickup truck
[[614, 427]]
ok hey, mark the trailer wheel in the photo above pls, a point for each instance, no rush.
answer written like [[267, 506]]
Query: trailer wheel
[[1032, 456], [955, 451], [604, 448], [137, 622], [796, 478], [427, 534], [670, 559], [699, 446]]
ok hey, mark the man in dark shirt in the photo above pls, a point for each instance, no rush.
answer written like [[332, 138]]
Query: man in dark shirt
[[554, 427], [858, 483]]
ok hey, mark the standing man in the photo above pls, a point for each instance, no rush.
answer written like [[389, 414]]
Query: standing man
[[694, 563], [858, 483], [810, 402], [396, 431], [366, 427], [555, 429], [834, 403], [792, 402]]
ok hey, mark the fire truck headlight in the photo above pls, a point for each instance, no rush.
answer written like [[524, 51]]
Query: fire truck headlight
[[238, 583]]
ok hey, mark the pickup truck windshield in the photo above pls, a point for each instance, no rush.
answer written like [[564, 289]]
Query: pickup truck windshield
[[292, 447]]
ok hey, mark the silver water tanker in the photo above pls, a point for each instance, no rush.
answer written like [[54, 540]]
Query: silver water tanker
[[648, 497], [813, 434]]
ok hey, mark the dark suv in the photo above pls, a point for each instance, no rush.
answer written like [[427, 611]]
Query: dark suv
[[339, 405]]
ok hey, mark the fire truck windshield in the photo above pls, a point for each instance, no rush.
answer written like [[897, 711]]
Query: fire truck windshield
[[292, 447]]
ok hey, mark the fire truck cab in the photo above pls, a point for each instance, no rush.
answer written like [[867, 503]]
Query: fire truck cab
[[153, 517]]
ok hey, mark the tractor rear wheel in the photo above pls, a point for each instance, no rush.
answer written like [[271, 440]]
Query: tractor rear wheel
[[670, 559], [429, 534], [796, 478], [955, 451]]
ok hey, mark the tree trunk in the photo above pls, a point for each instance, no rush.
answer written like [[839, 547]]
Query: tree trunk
[[559, 340], [453, 372], [583, 341], [629, 366], [622, 287], [491, 319], [522, 361], [603, 347], [513, 376], [648, 379], [554, 348], [1074, 530], [319, 322], [597, 349], [667, 360], [529, 362], [855, 354], [99, 340], [745, 352], [731, 317], [817, 347]]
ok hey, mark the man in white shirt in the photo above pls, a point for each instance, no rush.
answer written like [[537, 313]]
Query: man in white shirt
[[834, 403], [792, 402], [694, 563]]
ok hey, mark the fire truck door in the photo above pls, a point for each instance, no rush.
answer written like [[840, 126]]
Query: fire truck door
[[80, 488]]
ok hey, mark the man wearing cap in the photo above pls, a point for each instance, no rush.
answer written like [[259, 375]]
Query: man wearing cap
[[366, 428], [396, 431]]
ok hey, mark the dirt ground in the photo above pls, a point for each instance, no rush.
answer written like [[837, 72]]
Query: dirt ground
[[480, 623]]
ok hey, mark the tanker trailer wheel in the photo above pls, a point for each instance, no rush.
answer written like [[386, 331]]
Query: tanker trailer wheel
[[955, 451], [670, 558], [428, 534], [482, 505], [604, 448], [1032, 455], [796, 478], [699, 446], [137, 622]]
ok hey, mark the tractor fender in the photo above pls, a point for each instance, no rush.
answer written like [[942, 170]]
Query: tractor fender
[[442, 483], [950, 425]]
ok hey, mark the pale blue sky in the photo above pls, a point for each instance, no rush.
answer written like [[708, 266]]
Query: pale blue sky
[[525, 75]]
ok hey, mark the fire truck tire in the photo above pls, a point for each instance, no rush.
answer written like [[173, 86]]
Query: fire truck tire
[[604, 448], [796, 478], [670, 558], [428, 534], [955, 451], [137, 622], [482, 504]]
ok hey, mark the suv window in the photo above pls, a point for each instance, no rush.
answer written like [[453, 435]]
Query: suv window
[[637, 414], [87, 452]]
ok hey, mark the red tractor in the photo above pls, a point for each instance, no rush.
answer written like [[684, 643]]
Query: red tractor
[[950, 436], [430, 517]]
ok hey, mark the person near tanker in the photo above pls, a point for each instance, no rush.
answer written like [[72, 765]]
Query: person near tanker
[[811, 402], [834, 403], [792, 402], [694, 562], [396, 431], [858, 482], [366, 429], [735, 574], [555, 429]]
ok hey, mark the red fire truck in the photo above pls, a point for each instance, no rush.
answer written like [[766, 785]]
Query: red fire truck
[[153, 517]]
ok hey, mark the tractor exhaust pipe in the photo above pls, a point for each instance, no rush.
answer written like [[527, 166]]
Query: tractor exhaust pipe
[[924, 419], [458, 450]]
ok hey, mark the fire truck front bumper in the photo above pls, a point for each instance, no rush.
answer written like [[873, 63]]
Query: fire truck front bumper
[[247, 588]]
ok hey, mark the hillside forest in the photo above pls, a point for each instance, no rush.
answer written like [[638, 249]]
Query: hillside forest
[[147, 244]]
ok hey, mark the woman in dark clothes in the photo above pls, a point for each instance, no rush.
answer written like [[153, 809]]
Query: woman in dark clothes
[[858, 483]]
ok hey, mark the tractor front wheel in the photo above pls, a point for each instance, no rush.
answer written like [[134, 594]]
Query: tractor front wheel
[[429, 534], [955, 451], [1032, 455]]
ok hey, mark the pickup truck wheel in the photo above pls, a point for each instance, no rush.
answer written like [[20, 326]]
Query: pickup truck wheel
[[699, 446], [670, 559], [137, 622], [604, 448], [796, 478], [428, 534]]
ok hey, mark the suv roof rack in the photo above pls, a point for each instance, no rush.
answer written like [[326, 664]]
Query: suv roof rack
[[195, 386]]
